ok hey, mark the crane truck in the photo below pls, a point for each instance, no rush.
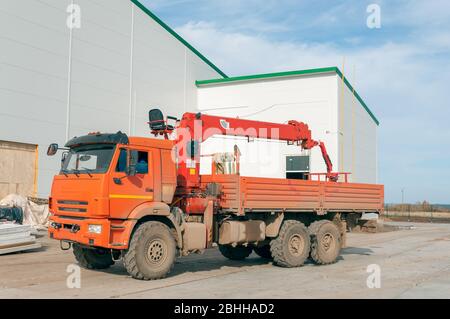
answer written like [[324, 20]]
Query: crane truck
[[144, 201]]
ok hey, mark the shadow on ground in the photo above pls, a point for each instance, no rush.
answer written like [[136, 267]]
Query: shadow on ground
[[356, 251], [198, 263], [212, 260]]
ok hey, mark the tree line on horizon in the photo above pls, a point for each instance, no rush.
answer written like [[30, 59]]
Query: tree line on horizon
[[424, 206]]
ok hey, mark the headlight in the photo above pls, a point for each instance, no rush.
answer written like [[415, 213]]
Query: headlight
[[96, 229]]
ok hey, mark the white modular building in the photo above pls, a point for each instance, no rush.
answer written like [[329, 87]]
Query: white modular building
[[321, 98], [72, 67]]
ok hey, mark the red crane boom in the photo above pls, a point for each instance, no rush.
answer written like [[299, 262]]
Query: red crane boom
[[193, 129]]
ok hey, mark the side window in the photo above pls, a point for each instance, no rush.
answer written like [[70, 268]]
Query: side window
[[122, 161], [142, 163]]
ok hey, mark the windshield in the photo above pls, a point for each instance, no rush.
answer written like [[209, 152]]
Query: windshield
[[88, 159]]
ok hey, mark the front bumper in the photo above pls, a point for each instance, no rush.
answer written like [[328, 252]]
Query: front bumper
[[115, 233]]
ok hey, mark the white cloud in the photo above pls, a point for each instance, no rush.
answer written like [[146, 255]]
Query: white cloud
[[417, 13], [240, 53], [162, 4], [403, 82]]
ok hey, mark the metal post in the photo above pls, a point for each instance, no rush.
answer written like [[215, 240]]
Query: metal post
[[69, 80], [431, 213], [403, 197], [403, 205]]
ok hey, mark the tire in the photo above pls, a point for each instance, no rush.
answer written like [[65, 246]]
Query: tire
[[235, 253], [263, 251], [291, 247], [325, 242], [97, 258], [152, 252]]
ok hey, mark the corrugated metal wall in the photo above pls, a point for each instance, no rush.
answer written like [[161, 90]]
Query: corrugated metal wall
[[57, 82], [314, 99], [358, 138]]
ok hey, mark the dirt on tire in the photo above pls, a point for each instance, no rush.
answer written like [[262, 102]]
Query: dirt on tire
[[235, 253], [91, 258], [263, 251], [152, 252], [325, 242], [291, 247]]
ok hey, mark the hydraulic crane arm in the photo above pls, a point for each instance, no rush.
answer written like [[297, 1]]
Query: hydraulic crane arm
[[193, 129]]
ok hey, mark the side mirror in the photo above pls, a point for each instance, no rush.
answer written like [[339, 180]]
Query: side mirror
[[52, 149], [132, 163], [63, 158]]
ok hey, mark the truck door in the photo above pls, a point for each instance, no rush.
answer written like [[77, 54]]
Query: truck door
[[127, 192]]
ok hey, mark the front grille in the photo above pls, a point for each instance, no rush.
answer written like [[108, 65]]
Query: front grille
[[72, 217], [66, 206], [71, 209], [72, 202]]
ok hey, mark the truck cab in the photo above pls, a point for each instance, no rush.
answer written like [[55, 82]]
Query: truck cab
[[107, 183]]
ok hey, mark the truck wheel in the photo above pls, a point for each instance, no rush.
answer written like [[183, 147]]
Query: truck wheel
[[152, 250], [97, 258], [325, 242], [291, 247], [235, 253], [263, 251]]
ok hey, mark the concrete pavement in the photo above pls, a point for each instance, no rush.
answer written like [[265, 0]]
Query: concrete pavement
[[414, 263]]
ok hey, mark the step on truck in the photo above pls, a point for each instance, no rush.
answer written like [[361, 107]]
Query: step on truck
[[143, 199]]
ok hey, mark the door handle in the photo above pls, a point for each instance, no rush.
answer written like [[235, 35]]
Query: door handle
[[149, 190]]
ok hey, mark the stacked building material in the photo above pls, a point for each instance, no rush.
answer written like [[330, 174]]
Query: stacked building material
[[14, 238], [12, 214], [25, 211]]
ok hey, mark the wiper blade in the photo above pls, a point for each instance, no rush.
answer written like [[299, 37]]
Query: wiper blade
[[64, 172], [76, 172], [88, 171]]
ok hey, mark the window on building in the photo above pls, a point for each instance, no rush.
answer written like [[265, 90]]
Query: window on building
[[297, 167]]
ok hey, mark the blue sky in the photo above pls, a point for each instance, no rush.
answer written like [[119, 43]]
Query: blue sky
[[401, 70]]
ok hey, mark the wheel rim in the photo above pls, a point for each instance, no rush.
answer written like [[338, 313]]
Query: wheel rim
[[156, 252], [328, 242], [296, 245]]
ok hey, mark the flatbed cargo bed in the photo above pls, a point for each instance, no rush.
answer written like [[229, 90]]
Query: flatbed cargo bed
[[254, 194]]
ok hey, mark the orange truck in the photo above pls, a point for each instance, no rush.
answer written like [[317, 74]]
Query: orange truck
[[143, 200]]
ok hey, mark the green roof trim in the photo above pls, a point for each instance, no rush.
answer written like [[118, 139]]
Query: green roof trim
[[176, 35], [291, 74], [265, 76], [357, 96]]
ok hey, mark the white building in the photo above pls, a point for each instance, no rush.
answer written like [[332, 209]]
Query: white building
[[58, 82], [321, 98], [102, 64]]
